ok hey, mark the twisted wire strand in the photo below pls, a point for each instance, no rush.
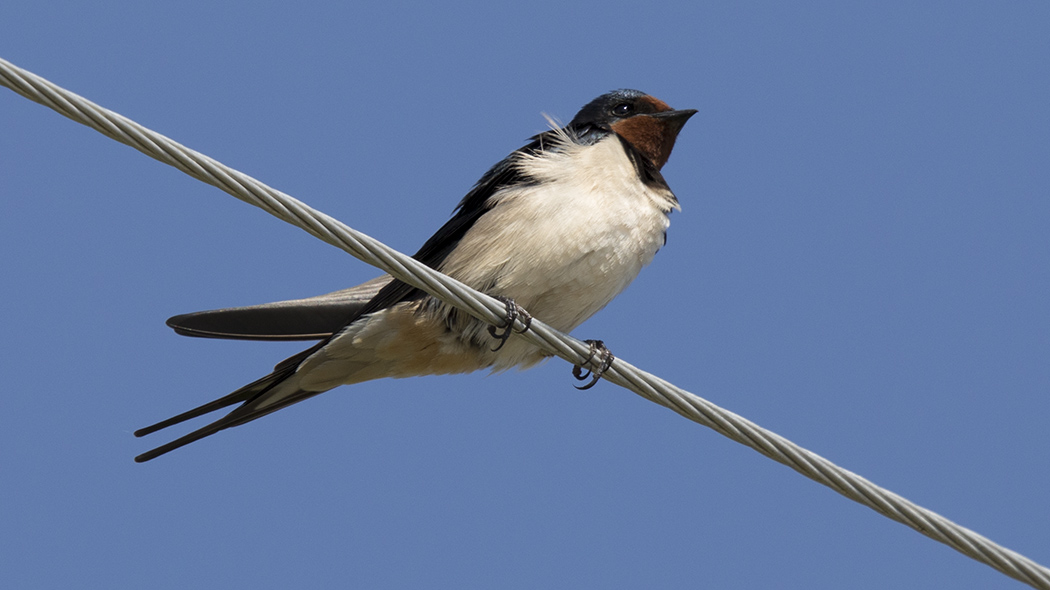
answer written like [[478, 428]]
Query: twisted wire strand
[[492, 311]]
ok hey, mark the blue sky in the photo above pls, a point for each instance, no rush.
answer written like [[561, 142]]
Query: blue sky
[[862, 264]]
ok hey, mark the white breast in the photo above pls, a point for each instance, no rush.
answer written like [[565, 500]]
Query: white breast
[[564, 246]]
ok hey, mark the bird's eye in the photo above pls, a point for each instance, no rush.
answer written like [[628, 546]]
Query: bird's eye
[[623, 109]]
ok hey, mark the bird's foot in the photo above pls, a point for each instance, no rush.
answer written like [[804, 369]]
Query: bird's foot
[[605, 360], [514, 312]]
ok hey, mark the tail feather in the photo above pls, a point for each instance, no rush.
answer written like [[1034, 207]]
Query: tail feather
[[257, 399], [241, 395], [183, 441], [241, 415]]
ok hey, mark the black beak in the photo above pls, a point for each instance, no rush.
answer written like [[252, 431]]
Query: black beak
[[674, 120]]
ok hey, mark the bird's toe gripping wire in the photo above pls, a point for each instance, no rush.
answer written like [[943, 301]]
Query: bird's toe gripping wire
[[605, 360], [514, 312]]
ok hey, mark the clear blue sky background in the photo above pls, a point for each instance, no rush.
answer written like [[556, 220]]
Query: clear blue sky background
[[862, 264]]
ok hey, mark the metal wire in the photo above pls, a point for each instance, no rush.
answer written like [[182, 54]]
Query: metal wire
[[492, 311]]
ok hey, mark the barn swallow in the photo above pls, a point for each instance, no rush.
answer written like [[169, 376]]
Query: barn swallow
[[558, 228]]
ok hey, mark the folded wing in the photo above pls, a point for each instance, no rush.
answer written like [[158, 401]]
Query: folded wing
[[313, 318]]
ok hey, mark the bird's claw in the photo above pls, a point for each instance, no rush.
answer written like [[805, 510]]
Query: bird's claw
[[514, 312], [605, 360]]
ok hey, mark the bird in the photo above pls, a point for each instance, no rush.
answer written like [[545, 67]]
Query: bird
[[555, 230]]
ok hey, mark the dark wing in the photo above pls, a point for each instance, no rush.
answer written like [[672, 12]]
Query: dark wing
[[315, 318], [320, 317], [477, 202]]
